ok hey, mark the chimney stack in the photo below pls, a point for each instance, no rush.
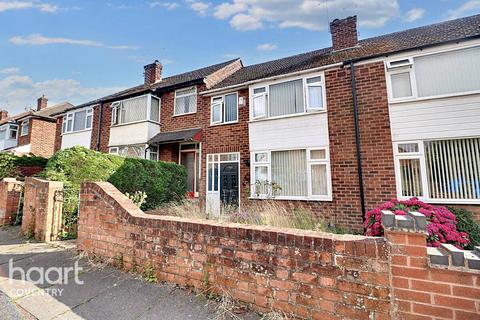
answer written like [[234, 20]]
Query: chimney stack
[[3, 114], [344, 33], [153, 72], [42, 103]]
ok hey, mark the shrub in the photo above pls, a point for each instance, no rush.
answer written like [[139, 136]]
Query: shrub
[[10, 164], [466, 223], [441, 227], [7, 165]]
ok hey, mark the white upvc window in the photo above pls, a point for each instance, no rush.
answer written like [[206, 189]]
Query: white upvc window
[[25, 127], [445, 171], [152, 153], [185, 101], [78, 120], [130, 151], [224, 109], [293, 96], [297, 174], [13, 131], [142, 108], [429, 75]]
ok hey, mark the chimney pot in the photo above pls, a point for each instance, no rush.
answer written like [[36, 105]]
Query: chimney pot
[[153, 72], [3, 114], [42, 103], [344, 33]]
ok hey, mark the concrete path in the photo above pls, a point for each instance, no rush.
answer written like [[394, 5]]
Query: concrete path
[[106, 293]]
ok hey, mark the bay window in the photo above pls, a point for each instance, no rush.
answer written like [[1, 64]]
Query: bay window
[[430, 75], [77, 121], [224, 109], [439, 170], [185, 101], [143, 108], [290, 97], [302, 174]]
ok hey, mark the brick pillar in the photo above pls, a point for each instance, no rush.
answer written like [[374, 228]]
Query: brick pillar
[[10, 191], [42, 213]]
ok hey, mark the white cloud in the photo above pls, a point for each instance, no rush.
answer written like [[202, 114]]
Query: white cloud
[[37, 39], [166, 5], [267, 47], [18, 92], [465, 9], [414, 14], [11, 70], [306, 14], [245, 22], [199, 6], [21, 5]]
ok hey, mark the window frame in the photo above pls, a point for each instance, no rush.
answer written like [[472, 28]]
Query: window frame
[[114, 107], [423, 171], [70, 116], [24, 124], [411, 57], [222, 109], [195, 94], [306, 102], [309, 163], [11, 128]]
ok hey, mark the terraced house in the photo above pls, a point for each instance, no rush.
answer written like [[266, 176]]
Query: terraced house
[[339, 130]]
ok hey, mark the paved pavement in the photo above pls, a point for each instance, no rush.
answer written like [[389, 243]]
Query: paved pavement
[[106, 293]]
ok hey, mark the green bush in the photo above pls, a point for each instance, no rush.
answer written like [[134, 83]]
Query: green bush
[[9, 164], [466, 223], [162, 182]]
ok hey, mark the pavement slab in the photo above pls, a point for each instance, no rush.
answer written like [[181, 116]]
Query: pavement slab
[[103, 292]]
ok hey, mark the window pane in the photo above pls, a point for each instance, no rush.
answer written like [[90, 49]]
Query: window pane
[[259, 90], [88, 124], [155, 110], [79, 121], [448, 72], [453, 168], [216, 113], [188, 161], [185, 104], [132, 151], [318, 154], [210, 177], [286, 98], [401, 86], [314, 80], [187, 91], [3, 131], [215, 177], [134, 110], [411, 177], [229, 157], [261, 157], [261, 177], [259, 106], [289, 171], [407, 147], [315, 97], [319, 180], [231, 107], [69, 124]]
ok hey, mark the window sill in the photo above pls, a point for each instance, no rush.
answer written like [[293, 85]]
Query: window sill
[[222, 124], [325, 199], [443, 96], [289, 116], [183, 114]]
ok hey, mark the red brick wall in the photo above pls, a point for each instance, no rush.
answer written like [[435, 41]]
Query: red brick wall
[[58, 135], [42, 137], [313, 275], [10, 190], [309, 274], [104, 129]]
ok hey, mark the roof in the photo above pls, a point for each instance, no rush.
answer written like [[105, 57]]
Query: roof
[[45, 113], [175, 80], [453, 30], [176, 136]]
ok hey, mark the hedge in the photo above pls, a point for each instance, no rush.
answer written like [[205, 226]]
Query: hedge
[[10, 164], [162, 182], [466, 223]]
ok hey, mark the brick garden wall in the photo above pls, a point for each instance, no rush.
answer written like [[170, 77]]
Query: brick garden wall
[[10, 191], [312, 275], [42, 209]]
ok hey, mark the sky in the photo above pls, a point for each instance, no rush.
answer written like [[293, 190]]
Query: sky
[[77, 51]]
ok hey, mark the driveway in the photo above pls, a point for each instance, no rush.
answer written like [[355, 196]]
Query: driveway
[[99, 292]]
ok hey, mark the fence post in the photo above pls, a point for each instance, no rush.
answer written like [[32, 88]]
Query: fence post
[[42, 212], [10, 192]]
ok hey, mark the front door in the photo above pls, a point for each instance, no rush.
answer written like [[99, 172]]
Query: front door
[[229, 184], [188, 160]]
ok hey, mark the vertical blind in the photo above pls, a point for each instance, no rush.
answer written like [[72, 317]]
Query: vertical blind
[[230, 108], [185, 101], [453, 168], [449, 72], [286, 98], [401, 85], [134, 110], [289, 171], [319, 180], [411, 177], [155, 110], [79, 120]]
